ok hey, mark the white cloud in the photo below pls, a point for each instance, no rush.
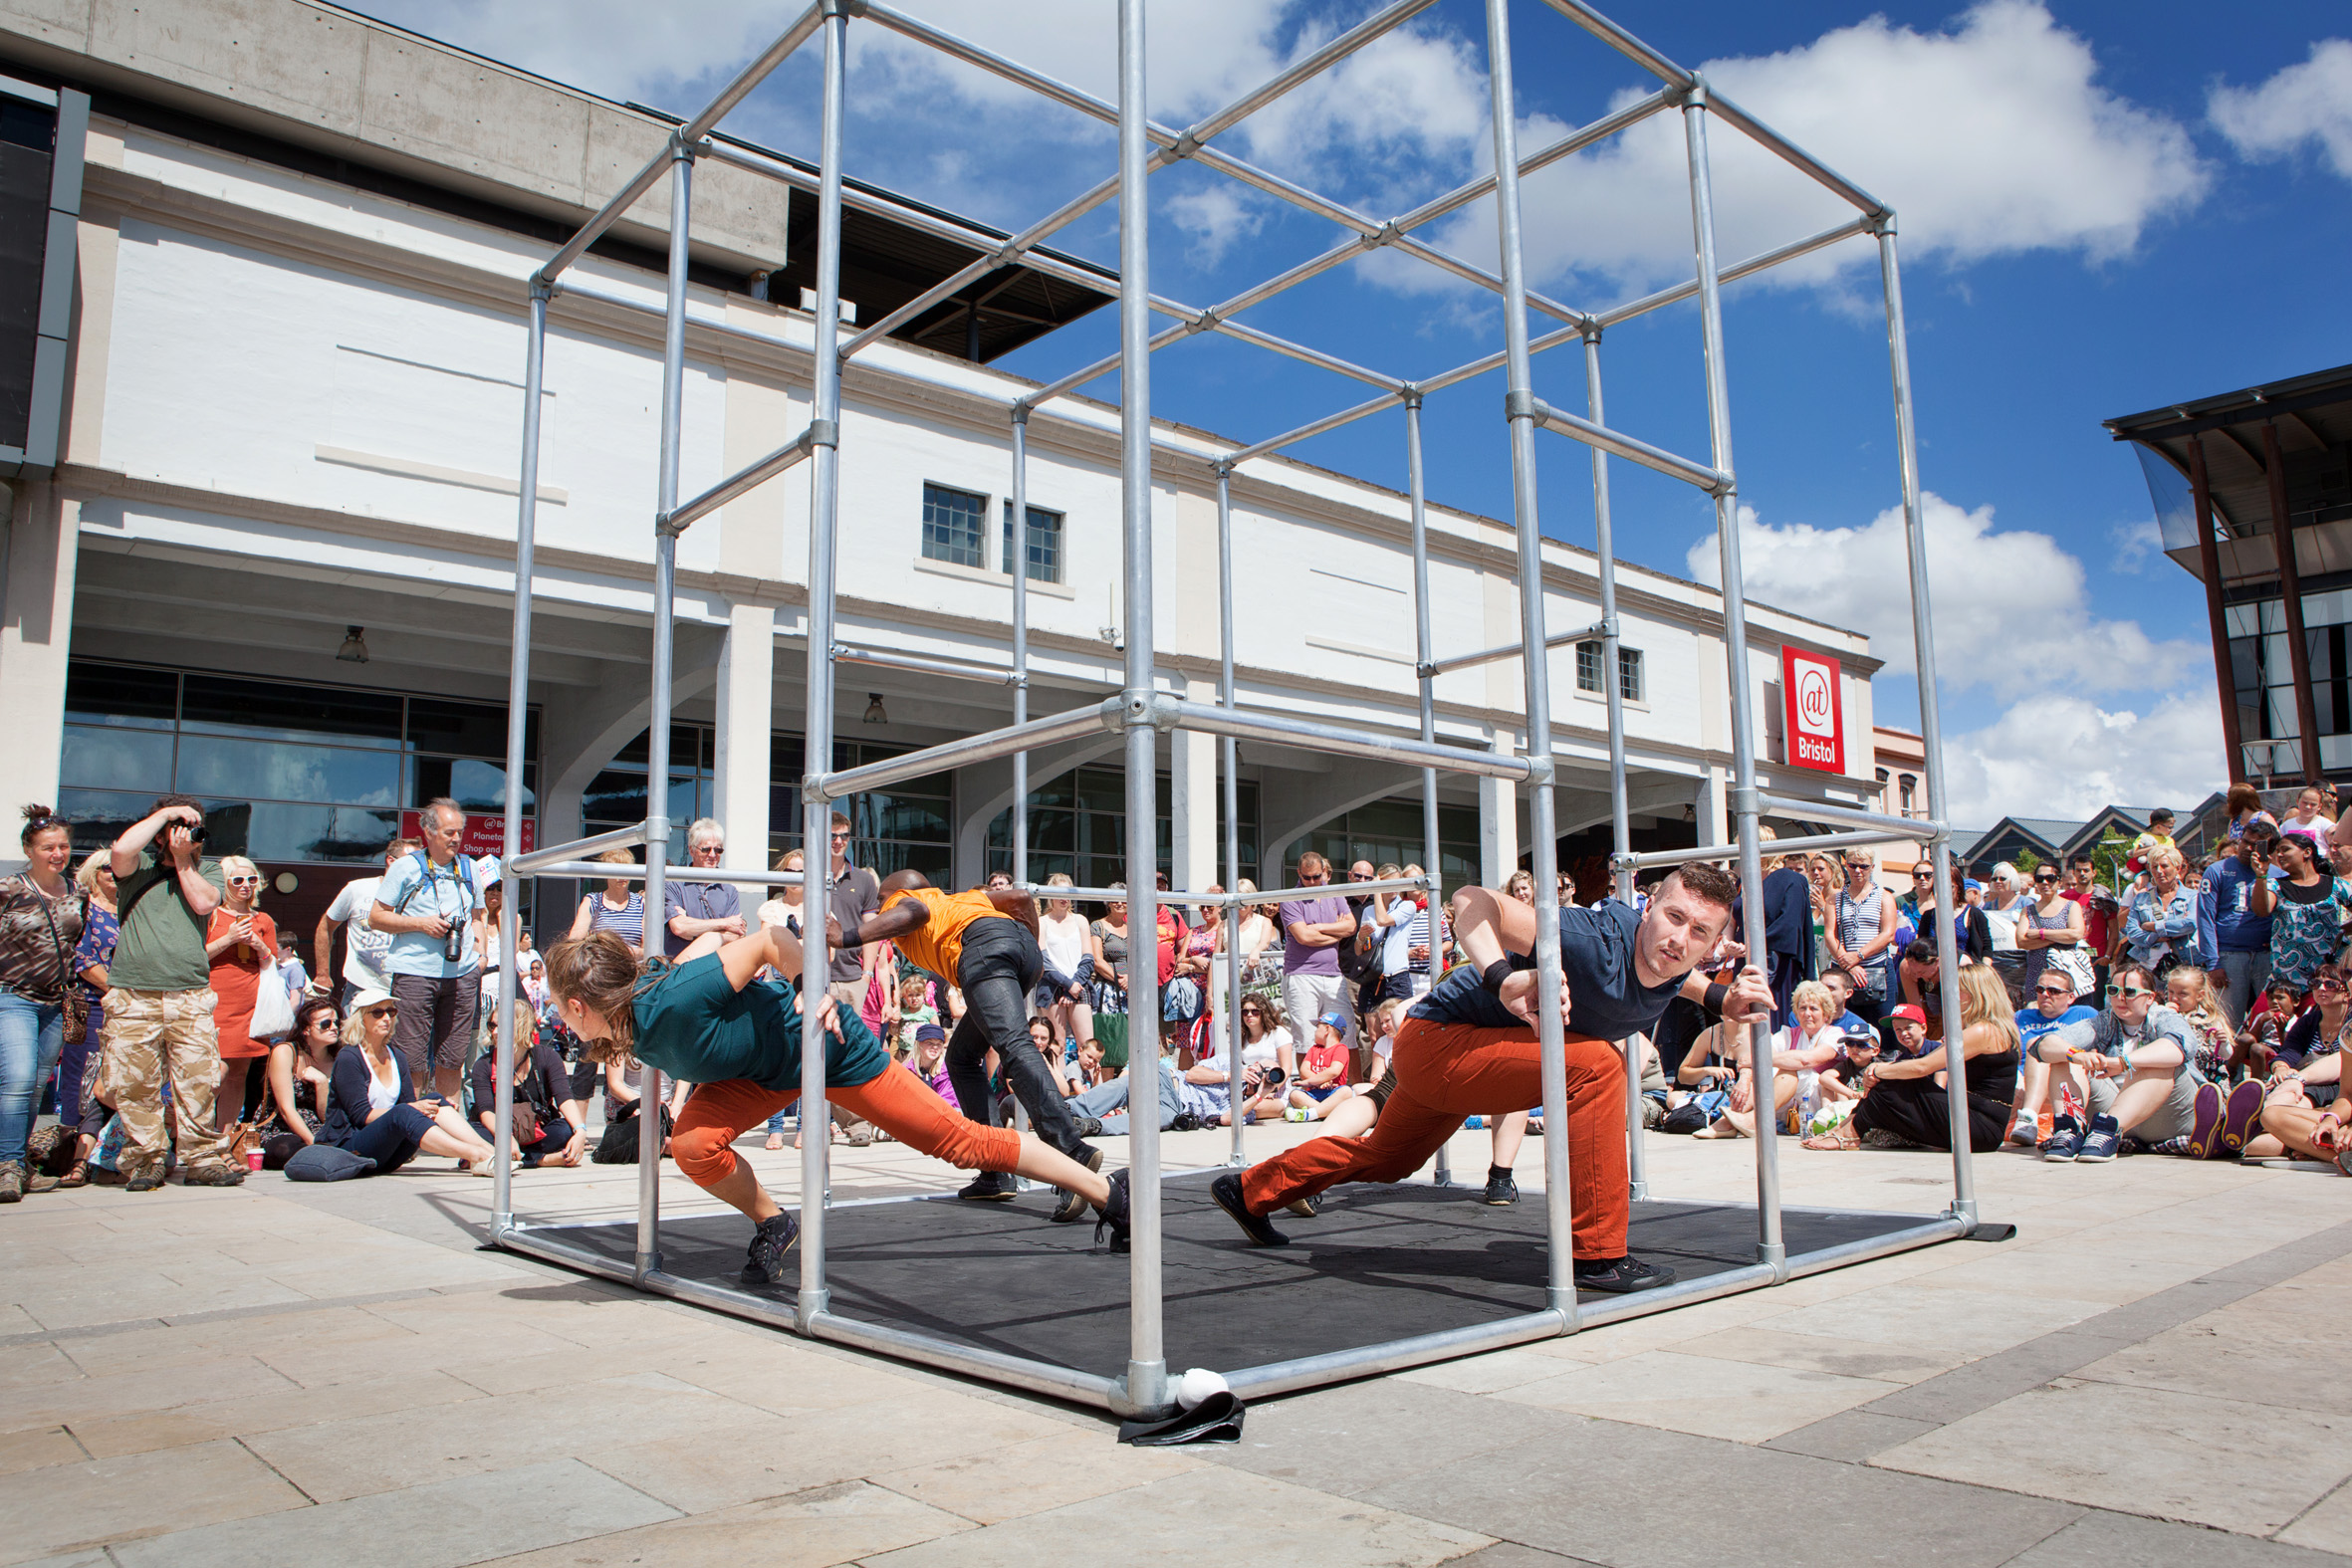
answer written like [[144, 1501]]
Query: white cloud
[[2136, 544], [1992, 138], [2308, 103], [1213, 218], [2060, 756], [2012, 615], [613, 48]]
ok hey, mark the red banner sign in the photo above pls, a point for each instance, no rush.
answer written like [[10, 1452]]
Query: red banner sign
[[1814, 719], [485, 834]]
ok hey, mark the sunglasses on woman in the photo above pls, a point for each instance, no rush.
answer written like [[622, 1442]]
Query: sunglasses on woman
[[244, 881], [2129, 991]]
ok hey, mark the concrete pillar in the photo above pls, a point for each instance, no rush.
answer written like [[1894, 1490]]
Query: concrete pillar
[[1498, 821], [37, 534], [1197, 853], [1713, 807], [746, 700]]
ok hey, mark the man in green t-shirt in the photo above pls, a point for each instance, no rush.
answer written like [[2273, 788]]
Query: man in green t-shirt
[[159, 999]]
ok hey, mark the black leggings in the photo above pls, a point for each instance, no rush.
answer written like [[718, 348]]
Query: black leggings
[[1915, 1110], [999, 968]]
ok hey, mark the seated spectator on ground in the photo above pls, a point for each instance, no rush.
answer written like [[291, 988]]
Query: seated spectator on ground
[[300, 1076], [550, 1125], [1380, 1040], [2321, 1030], [1085, 1069], [1322, 1076], [1106, 1104], [2190, 991], [1840, 986], [1908, 1101], [1268, 1061], [1047, 1041], [2265, 1034], [1842, 1078], [2131, 1066], [2053, 1006], [928, 1062], [1724, 1058], [2303, 1115], [914, 1010], [373, 1108]]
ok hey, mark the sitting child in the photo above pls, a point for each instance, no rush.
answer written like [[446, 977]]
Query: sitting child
[[915, 1010], [2264, 1036], [928, 1060], [1322, 1074]]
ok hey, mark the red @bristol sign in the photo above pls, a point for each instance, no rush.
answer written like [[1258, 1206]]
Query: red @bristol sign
[[1813, 723]]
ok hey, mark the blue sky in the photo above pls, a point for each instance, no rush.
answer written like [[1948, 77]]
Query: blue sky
[[2105, 207]]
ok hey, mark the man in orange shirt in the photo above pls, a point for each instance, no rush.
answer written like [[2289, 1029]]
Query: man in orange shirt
[[985, 941]]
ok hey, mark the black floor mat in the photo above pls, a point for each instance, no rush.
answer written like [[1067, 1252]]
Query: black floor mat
[[1380, 1264]]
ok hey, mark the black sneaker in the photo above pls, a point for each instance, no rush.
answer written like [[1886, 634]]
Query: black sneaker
[[1089, 1127], [1072, 1206], [1116, 1214], [769, 1242], [213, 1176], [1620, 1275], [1502, 1191], [2066, 1141], [988, 1187], [1227, 1190]]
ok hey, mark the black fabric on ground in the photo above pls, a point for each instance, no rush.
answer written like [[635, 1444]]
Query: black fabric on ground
[[1380, 1264]]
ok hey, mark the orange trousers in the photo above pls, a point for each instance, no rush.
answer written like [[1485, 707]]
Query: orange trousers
[[898, 1102], [1447, 1071]]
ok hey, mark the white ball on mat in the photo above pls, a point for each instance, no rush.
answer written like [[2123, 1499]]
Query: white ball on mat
[[1196, 1385]]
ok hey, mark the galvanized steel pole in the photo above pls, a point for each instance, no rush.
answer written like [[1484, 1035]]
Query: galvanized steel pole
[[816, 757], [1930, 718], [1229, 753], [1431, 855], [518, 708], [1016, 527], [1147, 1368], [1746, 804], [1519, 405]]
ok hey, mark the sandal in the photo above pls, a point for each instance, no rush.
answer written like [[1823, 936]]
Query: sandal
[[76, 1174], [1842, 1136]]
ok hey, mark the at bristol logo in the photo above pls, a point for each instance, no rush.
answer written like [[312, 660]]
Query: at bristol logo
[[1817, 712]]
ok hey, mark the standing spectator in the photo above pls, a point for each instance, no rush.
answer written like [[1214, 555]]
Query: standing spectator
[[2307, 920], [1402, 919], [2051, 933], [1923, 891], [2310, 815], [41, 914], [364, 947], [784, 909], [241, 945], [2098, 917], [2005, 907], [691, 909], [1070, 964], [1108, 996], [427, 902], [159, 999], [1359, 956], [852, 894], [2238, 902], [1788, 931], [1972, 932], [1863, 931], [2160, 927], [1313, 931], [619, 908], [1257, 932], [100, 930], [1821, 883], [2244, 805], [2158, 836], [485, 922]]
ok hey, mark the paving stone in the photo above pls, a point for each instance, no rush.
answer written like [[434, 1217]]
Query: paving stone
[[2103, 1541], [1981, 1385], [1003, 1483], [37, 1448], [811, 1529], [469, 1519], [1510, 1554], [1850, 1436], [1212, 1515], [1346, 1439], [72, 1507], [1567, 1493], [1698, 1393], [1944, 1321], [1885, 1362], [2327, 1525], [2144, 1450]]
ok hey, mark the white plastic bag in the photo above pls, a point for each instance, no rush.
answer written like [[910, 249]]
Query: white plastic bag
[[273, 1009]]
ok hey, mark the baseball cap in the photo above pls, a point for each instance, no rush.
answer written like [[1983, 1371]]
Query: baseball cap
[[1337, 1021], [1973, 886], [930, 1031], [1914, 1013]]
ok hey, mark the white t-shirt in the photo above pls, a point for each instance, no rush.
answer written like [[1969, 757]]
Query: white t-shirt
[[2002, 923], [1064, 942], [1260, 1051], [366, 947], [776, 912]]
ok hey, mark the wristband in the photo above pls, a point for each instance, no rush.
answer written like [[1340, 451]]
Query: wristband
[[1713, 1003], [1495, 974], [849, 943], [2123, 1053]]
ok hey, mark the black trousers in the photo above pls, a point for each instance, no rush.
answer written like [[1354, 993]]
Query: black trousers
[[1789, 973], [1916, 1110], [999, 968]]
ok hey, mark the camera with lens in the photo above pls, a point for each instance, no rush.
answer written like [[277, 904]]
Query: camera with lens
[[453, 945]]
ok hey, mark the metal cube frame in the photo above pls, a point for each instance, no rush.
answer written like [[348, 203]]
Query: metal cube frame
[[1140, 712]]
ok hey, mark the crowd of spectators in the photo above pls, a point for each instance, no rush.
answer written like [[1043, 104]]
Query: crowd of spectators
[[2194, 1008]]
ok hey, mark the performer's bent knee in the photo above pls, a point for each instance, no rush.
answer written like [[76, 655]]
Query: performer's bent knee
[[705, 1154], [903, 1106]]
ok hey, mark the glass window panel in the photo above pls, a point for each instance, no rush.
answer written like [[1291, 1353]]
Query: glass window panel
[[1630, 680], [1043, 544], [270, 830], [102, 759], [951, 525], [101, 815], [785, 752], [1102, 789], [1588, 666], [1052, 832], [281, 711], [481, 786], [120, 694], [277, 770], [466, 729], [358, 834]]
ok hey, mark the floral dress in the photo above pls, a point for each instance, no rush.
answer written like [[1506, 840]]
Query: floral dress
[[2306, 934]]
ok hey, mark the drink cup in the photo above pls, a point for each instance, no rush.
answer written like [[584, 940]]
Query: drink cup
[[253, 1159]]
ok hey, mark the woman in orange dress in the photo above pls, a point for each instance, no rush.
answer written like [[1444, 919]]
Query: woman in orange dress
[[242, 944]]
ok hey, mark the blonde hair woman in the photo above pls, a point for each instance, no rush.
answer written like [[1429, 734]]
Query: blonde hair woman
[[1064, 940], [1907, 1102], [241, 944], [619, 909]]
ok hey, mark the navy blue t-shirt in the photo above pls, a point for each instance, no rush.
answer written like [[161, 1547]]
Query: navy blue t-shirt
[[1607, 999], [2237, 928]]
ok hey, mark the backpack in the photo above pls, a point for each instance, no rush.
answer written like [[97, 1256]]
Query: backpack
[[619, 1145]]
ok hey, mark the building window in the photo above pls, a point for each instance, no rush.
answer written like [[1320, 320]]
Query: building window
[[1629, 672], [286, 772], [1077, 825], [1910, 803], [1390, 832], [952, 526], [1044, 544]]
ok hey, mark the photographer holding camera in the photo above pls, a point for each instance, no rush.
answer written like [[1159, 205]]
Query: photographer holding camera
[[426, 901], [159, 999]]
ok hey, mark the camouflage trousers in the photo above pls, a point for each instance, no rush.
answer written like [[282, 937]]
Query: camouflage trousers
[[154, 1036]]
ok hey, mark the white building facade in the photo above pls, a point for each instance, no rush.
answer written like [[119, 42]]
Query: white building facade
[[294, 410]]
